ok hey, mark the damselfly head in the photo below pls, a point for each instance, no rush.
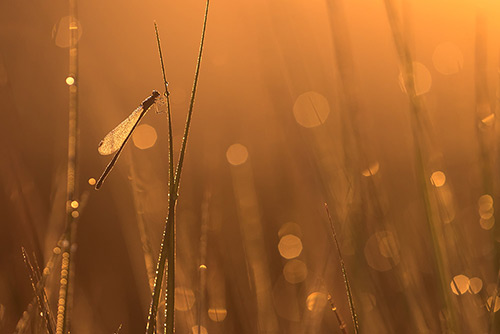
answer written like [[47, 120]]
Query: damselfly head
[[161, 105]]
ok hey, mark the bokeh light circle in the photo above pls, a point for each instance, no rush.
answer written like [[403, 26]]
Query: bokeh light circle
[[475, 285], [198, 330], [438, 179], [144, 136], [290, 228], [382, 251], [447, 58], [290, 246], [311, 109], [217, 314], [295, 271], [70, 81], [460, 282], [371, 170], [422, 79], [489, 304], [316, 301], [184, 299], [237, 154], [62, 30]]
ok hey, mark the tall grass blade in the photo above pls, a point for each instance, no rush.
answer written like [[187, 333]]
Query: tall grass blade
[[63, 309], [40, 295], [169, 116], [170, 148], [202, 277], [342, 325], [344, 274], [167, 247]]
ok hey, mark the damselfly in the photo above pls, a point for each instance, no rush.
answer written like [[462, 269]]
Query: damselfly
[[116, 139]]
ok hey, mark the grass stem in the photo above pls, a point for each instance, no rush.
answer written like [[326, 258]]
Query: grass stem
[[167, 247], [344, 274]]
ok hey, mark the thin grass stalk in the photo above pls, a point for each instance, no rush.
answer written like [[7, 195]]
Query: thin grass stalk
[[344, 275], [63, 325], [170, 294], [40, 297], [342, 325], [168, 253], [45, 274], [191, 105], [202, 278], [43, 295], [170, 168], [169, 117]]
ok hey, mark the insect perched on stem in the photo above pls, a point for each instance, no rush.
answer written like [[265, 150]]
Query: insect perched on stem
[[116, 139]]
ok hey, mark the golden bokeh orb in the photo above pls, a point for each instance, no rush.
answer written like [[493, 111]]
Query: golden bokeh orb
[[422, 79], [290, 246], [70, 81], [184, 299], [459, 284], [237, 154], [295, 271], [311, 109], [447, 58], [144, 136], [438, 179], [217, 314], [316, 301]]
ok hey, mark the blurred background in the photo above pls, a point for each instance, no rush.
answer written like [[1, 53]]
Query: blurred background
[[299, 103]]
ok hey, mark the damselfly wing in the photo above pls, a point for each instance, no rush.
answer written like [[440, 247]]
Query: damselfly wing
[[116, 139]]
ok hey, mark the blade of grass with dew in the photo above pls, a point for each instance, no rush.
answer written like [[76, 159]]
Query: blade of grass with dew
[[169, 117], [40, 297], [65, 288], [167, 252], [202, 278], [43, 295], [342, 325], [344, 274], [170, 155], [158, 278], [170, 147], [47, 270]]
